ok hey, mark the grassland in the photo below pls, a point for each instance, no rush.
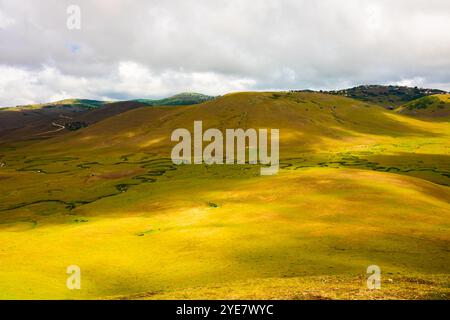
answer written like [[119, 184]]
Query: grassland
[[358, 185], [435, 106]]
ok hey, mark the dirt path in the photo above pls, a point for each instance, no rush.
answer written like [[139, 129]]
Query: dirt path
[[59, 126]]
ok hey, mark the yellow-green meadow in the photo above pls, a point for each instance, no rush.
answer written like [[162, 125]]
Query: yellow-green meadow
[[358, 185]]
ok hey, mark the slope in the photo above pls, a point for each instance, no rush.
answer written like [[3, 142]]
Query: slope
[[359, 185], [185, 98], [35, 122], [432, 107], [386, 96]]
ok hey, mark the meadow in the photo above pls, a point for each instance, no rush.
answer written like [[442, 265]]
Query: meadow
[[358, 185]]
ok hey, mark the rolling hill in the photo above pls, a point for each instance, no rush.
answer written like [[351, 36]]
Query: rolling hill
[[180, 99], [74, 104], [359, 185], [34, 122], [435, 106], [386, 96]]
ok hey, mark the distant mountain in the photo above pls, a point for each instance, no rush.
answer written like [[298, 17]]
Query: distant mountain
[[45, 120], [51, 119], [386, 96], [66, 103], [185, 98]]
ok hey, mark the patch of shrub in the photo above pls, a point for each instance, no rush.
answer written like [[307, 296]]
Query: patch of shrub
[[72, 126]]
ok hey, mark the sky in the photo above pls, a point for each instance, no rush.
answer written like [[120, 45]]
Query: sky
[[152, 49]]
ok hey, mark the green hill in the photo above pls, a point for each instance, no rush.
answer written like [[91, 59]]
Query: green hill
[[436, 106], [358, 185], [34, 122], [386, 96], [66, 103], [185, 98]]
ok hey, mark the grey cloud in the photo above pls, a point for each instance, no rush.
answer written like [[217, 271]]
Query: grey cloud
[[218, 46]]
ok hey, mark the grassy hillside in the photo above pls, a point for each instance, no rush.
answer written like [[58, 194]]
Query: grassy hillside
[[386, 96], [358, 185], [37, 122], [436, 106], [34, 122]]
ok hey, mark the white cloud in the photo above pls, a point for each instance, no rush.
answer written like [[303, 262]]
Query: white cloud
[[151, 48], [5, 21], [127, 80]]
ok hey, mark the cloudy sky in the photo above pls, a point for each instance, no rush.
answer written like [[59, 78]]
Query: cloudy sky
[[147, 49]]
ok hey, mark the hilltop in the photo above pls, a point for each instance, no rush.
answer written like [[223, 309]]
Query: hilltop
[[61, 104], [185, 98], [435, 106], [386, 96]]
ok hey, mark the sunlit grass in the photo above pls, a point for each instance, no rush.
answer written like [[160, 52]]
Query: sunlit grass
[[358, 186]]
